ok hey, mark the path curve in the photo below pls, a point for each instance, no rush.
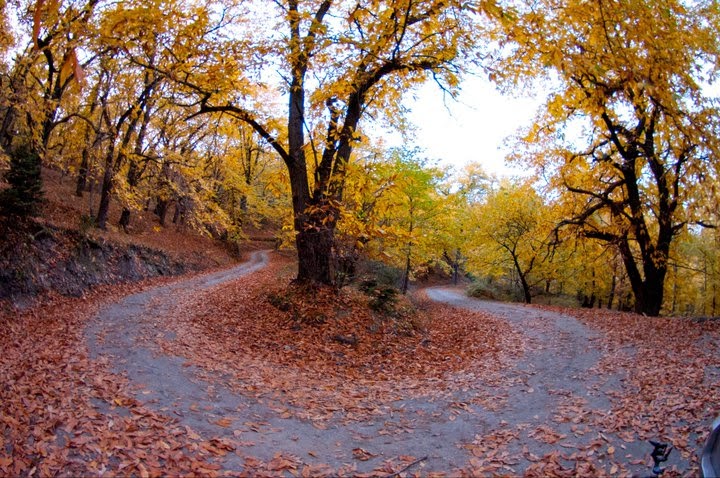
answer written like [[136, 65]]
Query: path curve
[[173, 386], [560, 376], [557, 371], [167, 384]]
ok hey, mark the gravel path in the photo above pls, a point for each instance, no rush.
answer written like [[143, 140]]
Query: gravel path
[[561, 386], [553, 387], [172, 385]]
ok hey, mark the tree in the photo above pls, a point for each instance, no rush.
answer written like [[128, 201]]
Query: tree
[[415, 205], [339, 62], [41, 76], [468, 188], [628, 135], [391, 210], [509, 228], [22, 198]]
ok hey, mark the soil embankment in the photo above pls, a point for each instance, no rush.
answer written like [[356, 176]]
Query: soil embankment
[[43, 259]]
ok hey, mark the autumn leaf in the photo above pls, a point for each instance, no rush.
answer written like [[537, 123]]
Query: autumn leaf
[[362, 455], [224, 422]]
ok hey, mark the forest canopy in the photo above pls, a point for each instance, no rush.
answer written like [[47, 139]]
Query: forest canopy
[[229, 116]]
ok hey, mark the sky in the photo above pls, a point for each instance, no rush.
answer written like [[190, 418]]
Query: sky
[[472, 128]]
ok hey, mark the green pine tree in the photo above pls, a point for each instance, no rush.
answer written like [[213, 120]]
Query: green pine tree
[[24, 196]]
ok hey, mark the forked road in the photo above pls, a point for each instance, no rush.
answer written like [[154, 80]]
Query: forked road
[[556, 371]]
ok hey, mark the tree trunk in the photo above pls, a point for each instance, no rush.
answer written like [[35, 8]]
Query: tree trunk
[[523, 280], [106, 191], [314, 252], [133, 177], [134, 170], [6, 129], [526, 289], [456, 267], [406, 275], [648, 290], [611, 297], [82, 173], [653, 293], [124, 221], [161, 207], [85, 162]]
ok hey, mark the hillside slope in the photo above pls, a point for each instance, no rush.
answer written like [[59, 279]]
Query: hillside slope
[[60, 252]]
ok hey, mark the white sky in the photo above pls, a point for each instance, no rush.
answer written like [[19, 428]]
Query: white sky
[[473, 128]]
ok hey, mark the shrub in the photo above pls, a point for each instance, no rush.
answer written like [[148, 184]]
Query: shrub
[[480, 290], [487, 288], [380, 272], [383, 297]]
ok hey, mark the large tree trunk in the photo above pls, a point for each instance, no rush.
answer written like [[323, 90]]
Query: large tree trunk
[[648, 290], [652, 292], [314, 253], [526, 289]]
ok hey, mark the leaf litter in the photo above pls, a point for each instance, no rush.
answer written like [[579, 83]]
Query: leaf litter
[[64, 414]]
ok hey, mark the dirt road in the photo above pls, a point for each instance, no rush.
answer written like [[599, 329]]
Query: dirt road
[[561, 388], [551, 407]]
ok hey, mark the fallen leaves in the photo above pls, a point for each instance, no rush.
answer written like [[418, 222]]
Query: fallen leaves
[[670, 378], [546, 434], [280, 344], [362, 455], [62, 413]]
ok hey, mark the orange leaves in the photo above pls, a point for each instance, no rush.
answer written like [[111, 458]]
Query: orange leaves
[[5, 463], [41, 9], [546, 435], [224, 422], [218, 446], [362, 455], [63, 413], [71, 66], [282, 462]]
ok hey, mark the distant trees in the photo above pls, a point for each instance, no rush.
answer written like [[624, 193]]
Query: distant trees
[[511, 227]]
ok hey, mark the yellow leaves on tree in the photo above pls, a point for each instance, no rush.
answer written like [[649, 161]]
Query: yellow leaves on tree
[[625, 133]]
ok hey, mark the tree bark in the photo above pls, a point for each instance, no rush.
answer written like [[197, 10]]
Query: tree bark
[[406, 274], [648, 290], [106, 190], [611, 297], [82, 173], [134, 171], [314, 251], [161, 207]]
